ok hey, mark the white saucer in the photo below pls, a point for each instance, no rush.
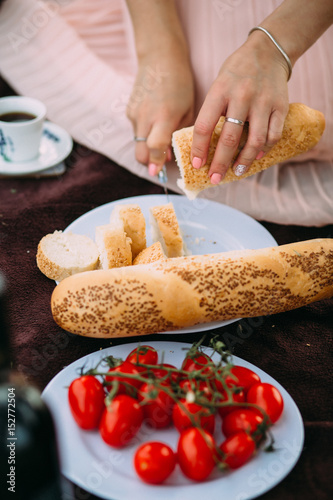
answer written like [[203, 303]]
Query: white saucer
[[56, 144]]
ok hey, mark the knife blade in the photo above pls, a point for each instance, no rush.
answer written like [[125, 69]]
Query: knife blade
[[163, 179]]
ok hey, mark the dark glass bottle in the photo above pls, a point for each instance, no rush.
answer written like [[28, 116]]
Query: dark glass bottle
[[28, 449]]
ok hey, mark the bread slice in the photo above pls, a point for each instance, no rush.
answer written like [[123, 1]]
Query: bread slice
[[151, 254], [114, 246], [166, 230], [60, 255], [302, 130], [134, 224]]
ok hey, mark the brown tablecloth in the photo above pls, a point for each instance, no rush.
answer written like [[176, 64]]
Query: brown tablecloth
[[293, 347]]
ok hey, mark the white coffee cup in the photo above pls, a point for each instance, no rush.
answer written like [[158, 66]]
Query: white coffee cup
[[21, 127]]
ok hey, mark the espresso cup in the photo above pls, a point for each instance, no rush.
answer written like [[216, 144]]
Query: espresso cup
[[21, 127]]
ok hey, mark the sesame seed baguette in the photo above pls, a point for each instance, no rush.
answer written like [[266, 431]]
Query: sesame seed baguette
[[185, 291], [134, 225], [165, 229], [302, 130]]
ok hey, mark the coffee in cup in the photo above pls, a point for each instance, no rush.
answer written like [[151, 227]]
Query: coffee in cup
[[21, 127]]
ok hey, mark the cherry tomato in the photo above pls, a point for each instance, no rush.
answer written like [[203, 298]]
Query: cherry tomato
[[127, 385], [86, 397], [143, 354], [201, 416], [201, 387], [121, 420], [196, 362], [237, 449], [163, 373], [268, 398], [243, 377], [237, 397], [242, 419], [154, 462], [196, 453], [158, 404]]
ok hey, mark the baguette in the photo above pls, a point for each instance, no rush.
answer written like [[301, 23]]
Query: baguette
[[186, 291], [114, 246], [302, 130], [134, 224], [150, 254], [60, 255], [166, 230]]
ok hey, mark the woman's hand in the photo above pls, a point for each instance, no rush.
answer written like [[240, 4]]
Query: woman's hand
[[163, 94], [251, 86], [162, 101]]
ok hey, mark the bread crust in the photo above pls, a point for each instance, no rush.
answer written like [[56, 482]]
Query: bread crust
[[150, 254], [134, 225], [165, 218], [56, 265], [186, 291], [302, 130]]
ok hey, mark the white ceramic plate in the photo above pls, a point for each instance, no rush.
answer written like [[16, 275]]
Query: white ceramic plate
[[56, 144], [207, 226], [108, 472]]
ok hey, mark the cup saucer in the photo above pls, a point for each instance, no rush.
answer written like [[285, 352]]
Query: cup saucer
[[56, 145]]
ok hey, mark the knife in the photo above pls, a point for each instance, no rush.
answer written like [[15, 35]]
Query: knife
[[163, 179]]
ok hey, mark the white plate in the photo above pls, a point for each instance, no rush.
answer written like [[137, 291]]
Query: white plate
[[207, 226], [108, 472], [56, 144]]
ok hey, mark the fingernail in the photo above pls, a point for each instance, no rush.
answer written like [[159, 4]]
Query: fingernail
[[240, 170], [260, 155], [196, 162], [152, 169], [215, 178]]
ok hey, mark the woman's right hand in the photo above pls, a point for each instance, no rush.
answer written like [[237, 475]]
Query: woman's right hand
[[162, 101]]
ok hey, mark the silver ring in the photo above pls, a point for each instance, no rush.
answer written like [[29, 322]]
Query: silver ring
[[140, 139], [234, 120]]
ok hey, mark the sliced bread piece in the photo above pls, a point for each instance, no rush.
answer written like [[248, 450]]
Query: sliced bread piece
[[151, 254], [114, 246], [166, 230], [134, 224], [60, 255]]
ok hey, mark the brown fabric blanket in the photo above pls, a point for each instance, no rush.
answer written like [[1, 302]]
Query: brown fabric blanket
[[293, 347]]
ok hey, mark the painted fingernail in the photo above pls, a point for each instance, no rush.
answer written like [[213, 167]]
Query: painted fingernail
[[260, 155], [240, 170], [196, 162], [152, 169], [215, 178]]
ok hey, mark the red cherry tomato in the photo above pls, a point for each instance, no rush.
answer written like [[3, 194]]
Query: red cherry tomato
[[201, 387], [237, 449], [196, 453], [154, 462], [201, 416], [242, 419], [196, 362], [157, 405], [243, 377], [127, 385], [120, 421], [268, 398], [165, 373], [86, 397], [237, 397], [143, 354]]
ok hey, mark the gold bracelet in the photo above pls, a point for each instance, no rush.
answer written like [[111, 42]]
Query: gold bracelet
[[277, 45]]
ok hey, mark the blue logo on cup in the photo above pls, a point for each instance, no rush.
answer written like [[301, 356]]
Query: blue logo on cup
[[5, 144]]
